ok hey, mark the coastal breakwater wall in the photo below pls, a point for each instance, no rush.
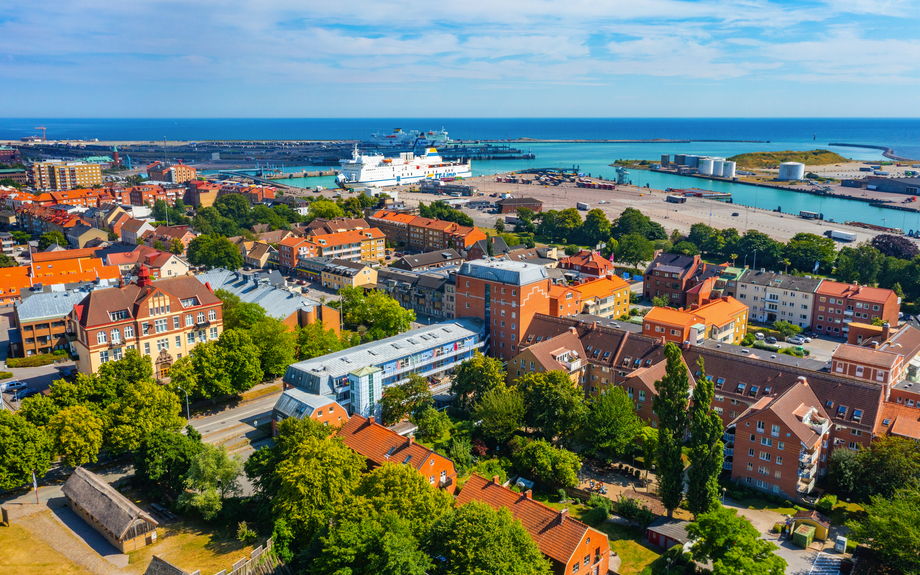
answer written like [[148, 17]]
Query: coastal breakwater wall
[[886, 151]]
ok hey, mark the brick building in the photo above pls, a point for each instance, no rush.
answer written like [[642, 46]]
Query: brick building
[[512, 205], [570, 545], [505, 295], [41, 320], [587, 263], [838, 304], [393, 224], [426, 234], [162, 320], [428, 261], [292, 250], [168, 172], [300, 405], [59, 175], [671, 275]]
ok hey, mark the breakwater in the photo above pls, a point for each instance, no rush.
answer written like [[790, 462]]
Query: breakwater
[[886, 151]]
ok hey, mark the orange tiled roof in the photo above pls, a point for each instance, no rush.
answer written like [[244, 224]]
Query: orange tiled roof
[[671, 316], [39, 257], [350, 237], [556, 536], [720, 311], [601, 287], [292, 242], [866, 355], [394, 217], [381, 445], [832, 288], [902, 421]]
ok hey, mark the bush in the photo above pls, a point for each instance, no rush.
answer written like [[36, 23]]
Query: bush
[[562, 495], [5, 374], [595, 516], [748, 340], [31, 361], [634, 510], [826, 504], [245, 534], [600, 501], [765, 346], [492, 467]]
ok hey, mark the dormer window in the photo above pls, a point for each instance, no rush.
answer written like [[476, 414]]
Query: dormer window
[[842, 411], [753, 392], [857, 415]]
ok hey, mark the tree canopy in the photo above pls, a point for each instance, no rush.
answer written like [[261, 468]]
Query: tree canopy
[[611, 424], [732, 544], [501, 412], [553, 403], [475, 377], [706, 454], [891, 527], [439, 210], [671, 403], [24, 448], [51, 238], [214, 251], [404, 399]]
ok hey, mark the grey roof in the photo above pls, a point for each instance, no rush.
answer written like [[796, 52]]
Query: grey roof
[[106, 505], [503, 271], [608, 321], [429, 258], [498, 245], [316, 375], [671, 263], [299, 404], [781, 281], [39, 306], [318, 263], [675, 529], [277, 302], [344, 267]]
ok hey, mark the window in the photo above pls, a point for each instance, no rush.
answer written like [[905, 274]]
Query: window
[[780, 446], [760, 427], [853, 445], [162, 344], [104, 356], [212, 315], [751, 452], [161, 325], [178, 342], [859, 371], [101, 337], [200, 317], [213, 333], [129, 331], [766, 441], [774, 430], [116, 354], [842, 411], [145, 328], [750, 466], [190, 337], [188, 320], [857, 415], [176, 322], [765, 456], [147, 348], [763, 470]]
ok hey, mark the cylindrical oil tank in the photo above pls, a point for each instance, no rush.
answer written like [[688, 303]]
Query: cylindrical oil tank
[[665, 159], [728, 169], [693, 161], [680, 159], [791, 171], [717, 166], [705, 166]]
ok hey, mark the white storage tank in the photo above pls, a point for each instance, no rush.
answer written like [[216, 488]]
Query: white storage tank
[[791, 171], [728, 170], [706, 166], [717, 164]]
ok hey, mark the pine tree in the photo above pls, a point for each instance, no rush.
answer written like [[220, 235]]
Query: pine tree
[[705, 447], [671, 404]]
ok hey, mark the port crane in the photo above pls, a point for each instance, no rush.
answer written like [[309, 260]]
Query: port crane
[[42, 128]]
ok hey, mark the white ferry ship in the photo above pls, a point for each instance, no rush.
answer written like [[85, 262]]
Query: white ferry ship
[[408, 168]]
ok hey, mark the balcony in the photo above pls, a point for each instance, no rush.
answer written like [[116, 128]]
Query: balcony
[[806, 474], [728, 451], [727, 465], [728, 437], [804, 486], [848, 313], [571, 366], [808, 459]]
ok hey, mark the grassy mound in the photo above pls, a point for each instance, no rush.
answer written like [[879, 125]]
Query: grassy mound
[[773, 159]]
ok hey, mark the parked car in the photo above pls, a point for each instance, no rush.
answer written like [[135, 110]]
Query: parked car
[[14, 385], [24, 393], [795, 339], [758, 336], [770, 339]]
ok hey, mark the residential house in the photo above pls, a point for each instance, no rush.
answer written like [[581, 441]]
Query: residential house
[[114, 516], [671, 275], [667, 532], [343, 273], [133, 230], [564, 301], [772, 296], [570, 545], [838, 304], [259, 255], [81, 234], [428, 261], [606, 296], [480, 250], [587, 263], [7, 243], [158, 319], [167, 234], [899, 420], [380, 446], [274, 237], [564, 352], [301, 405]]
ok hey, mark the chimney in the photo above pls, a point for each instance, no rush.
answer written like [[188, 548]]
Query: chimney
[[411, 440], [573, 330], [370, 420], [801, 379], [563, 514], [686, 345], [528, 494], [496, 480], [874, 345], [725, 298], [696, 306], [886, 331]]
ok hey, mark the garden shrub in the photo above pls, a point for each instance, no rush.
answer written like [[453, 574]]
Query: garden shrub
[[595, 516], [826, 504], [6, 374]]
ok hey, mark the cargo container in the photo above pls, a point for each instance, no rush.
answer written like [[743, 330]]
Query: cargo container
[[842, 236], [583, 206]]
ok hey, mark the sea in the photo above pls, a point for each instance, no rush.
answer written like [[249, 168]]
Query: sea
[[713, 137]]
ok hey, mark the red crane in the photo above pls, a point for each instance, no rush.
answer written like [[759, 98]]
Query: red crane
[[42, 128]]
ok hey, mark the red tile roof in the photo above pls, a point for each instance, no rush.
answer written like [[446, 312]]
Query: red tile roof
[[557, 536], [381, 445], [865, 293]]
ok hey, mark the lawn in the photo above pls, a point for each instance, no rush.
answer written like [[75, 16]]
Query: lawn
[[25, 554], [627, 543], [843, 511], [763, 505]]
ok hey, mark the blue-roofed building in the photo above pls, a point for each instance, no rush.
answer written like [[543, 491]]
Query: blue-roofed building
[[300, 404], [345, 376], [291, 308], [41, 320]]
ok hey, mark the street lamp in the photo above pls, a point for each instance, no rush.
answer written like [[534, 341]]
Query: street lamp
[[669, 564], [723, 495], [188, 414]]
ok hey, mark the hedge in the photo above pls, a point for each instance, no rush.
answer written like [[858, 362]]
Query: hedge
[[5, 374], [32, 361]]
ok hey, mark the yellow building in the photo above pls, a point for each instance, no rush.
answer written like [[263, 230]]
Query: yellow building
[[57, 175], [605, 297], [341, 273], [162, 320]]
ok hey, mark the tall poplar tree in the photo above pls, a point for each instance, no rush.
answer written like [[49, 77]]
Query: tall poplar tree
[[705, 447], [671, 404]]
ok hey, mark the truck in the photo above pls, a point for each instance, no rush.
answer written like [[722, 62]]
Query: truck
[[583, 206], [842, 236]]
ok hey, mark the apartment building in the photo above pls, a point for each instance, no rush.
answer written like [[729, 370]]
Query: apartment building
[[292, 250], [168, 172], [571, 546], [772, 296], [357, 245], [39, 220], [671, 275], [564, 301], [838, 304], [430, 293], [606, 296], [201, 194], [564, 352], [149, 194], [162, 320], [426, 234], [322, 226], [587, 263], [41, 320], [428, 261], [343, 273], [57, 175], [723, 320], [505, 295]]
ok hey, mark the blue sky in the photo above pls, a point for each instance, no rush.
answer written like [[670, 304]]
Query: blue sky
[[477, 58]]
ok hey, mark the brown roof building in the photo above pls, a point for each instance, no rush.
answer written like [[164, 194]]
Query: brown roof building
[[570, 545], [587, 263], [512, 205], [380, 445], [671, 275]]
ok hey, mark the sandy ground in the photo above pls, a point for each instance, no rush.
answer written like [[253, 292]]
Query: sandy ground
[[848, 169], [652, 203]]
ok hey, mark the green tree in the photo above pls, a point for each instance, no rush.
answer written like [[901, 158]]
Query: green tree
[[551, 464], [243, 315], [732, 544], [763, 251], [24, 448], [176, 247], [843, 471], [524, 224], [402, 490], [314, 481], [214, 252], [439, 210], [803, 250], [500, 225], [20, 237], [786, 328], [596, 228], [649, 437], [234, 207], [891, 527], [325, 209], [141, 408], [706, 454], [476, 376], [612, 424], [671, 403], [547, 227], [7, 262], [51, 238], [890, 463], [275, 343], [38, 409], [380, 314], [501, 412], [476, 539], [77, 435], [432, 424], [217, 368], [685, 248], [632, 221], [568, 225], [460, 451], [212, 477], [553, 404], [634, 249], [405, 399], [660, 301], [163, 459], [314, 340], [380, 544]]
